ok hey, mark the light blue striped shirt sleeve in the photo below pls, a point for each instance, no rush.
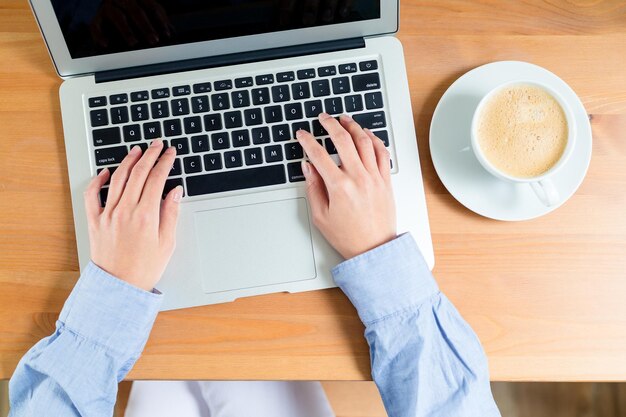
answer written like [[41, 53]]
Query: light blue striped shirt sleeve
[[426, 360], [101, 332]]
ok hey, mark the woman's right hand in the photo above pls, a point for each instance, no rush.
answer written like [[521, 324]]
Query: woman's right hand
[[352, 205]]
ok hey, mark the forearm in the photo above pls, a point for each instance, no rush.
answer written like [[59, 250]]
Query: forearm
[[100, 334], [425, 359]]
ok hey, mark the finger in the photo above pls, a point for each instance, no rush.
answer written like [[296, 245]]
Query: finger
[[315, 191], [120, 177], [140, 172], [92, 202], [153, 190], [318, 157], [363, 143], [161, 16], [169, 214], [383, 158], [343, 142]]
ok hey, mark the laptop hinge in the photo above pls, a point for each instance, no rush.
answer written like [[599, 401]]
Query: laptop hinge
[[230, 59]]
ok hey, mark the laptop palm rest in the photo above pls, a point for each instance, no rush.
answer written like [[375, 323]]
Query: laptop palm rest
[[255, 245]]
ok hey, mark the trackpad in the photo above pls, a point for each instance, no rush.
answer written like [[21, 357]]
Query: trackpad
[[255, 245]]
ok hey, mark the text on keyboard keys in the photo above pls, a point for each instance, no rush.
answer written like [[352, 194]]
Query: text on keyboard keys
[[109, 156], [107, 136], [373, 120], [364, 82]]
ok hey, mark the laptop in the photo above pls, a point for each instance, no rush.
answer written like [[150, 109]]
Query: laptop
[[228, 83]]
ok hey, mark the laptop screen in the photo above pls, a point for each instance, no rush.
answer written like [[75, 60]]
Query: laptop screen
[[99, 27]]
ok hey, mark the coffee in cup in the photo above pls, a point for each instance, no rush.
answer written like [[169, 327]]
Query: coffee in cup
[[524, 132]]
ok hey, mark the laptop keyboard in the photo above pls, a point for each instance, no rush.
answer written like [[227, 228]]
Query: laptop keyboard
[[238, 133]]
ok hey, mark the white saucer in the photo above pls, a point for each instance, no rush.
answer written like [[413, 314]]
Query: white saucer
[[460, 171]]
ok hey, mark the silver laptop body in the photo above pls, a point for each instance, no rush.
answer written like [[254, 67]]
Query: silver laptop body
[[245, 224]]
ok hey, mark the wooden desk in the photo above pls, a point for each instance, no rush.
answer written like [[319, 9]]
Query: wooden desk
[[547, 297]]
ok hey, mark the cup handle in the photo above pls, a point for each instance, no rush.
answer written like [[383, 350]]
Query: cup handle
[[546, 192]]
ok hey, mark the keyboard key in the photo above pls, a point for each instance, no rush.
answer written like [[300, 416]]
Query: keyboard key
[[170, 184], [192, 164], [152, 130], [241, 98], [212, 122], [159, 109], [253, 117], [293, 111], [233, 119], [253, 156], [176, 168], [104, 193], [139, 96], [111, 172], [220, 101], [118, 98], [119, 114], [306, 74], [353, 103], [318, 129], [280, 93], [181, 145], [330, 146], [282, 77], [200, 104], [181, 90], [320, 88], [192, 125], [109, 156], [240, 138], [382, 135], [294, 172], [341, 85], [107, 136], [368, 65], [244, 82], [260, 96], [347, 68], [313, 108], [327, 71], [200, 143], [212, 161], [132, 133], [333, 105], [264, 79], [233, 159], [299, 126], [202, 88], [220, 141], [273, 114], [373, 120], [273, 153], [172, 127], [293, 150], [236, 180], [99, 118], [260, 135], [180, 107], [280, 133], [139, 112], [366, 82], [223, 85], [97, 101], [160, 93], [300, 91], [374, 100], [143, 146]]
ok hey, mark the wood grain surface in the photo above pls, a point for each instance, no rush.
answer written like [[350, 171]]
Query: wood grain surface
[[547, 297]]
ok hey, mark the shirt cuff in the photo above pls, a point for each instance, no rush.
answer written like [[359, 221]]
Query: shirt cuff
[[110, 312], [387, 279]]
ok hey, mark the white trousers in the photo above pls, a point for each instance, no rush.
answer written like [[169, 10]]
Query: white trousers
[[228, 399]]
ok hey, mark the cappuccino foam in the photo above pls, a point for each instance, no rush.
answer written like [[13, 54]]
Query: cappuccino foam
[[522, 131]]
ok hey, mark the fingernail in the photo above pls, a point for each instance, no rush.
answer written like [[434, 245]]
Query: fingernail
[[171, 150], [178, 194], [101, 173], [299, 133], [135, 150], [346, 117], [306, 169], [155, 142], [324, 116]]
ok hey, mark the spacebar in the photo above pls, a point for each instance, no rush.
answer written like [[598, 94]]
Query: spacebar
[[236, 180]]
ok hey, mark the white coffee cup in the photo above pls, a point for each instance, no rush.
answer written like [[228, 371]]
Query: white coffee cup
[[542, 185]]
